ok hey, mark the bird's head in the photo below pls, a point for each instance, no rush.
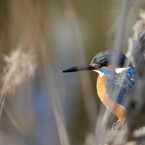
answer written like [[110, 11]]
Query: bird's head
[[102, 59]]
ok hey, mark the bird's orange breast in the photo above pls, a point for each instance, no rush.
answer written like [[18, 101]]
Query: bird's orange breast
[[115, 108]]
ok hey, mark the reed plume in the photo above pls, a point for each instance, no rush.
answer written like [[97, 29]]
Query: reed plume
[[19, 66]]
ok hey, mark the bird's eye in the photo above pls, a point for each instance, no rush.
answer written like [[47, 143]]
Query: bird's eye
[[103, 63]]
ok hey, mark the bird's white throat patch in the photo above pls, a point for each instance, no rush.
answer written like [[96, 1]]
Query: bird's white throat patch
[[99, 72]]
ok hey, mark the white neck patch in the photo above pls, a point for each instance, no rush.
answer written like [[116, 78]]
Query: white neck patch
[[121, 70], [99, 72]]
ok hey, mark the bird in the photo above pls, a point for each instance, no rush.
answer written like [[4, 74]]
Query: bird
[[113, 84]]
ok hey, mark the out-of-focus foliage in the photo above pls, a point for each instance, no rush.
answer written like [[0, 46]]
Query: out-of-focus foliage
[[38, 39]]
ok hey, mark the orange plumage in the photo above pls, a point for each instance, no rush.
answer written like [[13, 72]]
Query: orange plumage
[[114, 107]]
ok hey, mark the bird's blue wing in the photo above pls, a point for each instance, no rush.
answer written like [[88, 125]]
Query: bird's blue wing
[[120, 84]]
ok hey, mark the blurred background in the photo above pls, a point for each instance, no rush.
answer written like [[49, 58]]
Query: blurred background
[[38, 39]]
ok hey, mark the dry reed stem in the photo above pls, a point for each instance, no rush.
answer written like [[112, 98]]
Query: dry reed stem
[[119, 41], [139, 26], [88, 98], [14, 121], [58, 110], [53, 89]]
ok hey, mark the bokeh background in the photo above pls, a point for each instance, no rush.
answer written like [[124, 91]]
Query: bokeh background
[[48, 107]]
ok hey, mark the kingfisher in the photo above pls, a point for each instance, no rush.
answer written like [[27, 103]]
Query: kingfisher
[[113, 84]]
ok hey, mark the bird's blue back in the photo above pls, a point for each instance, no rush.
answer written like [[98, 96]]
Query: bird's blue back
[[119, 84]]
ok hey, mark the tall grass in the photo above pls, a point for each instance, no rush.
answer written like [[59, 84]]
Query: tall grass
[[39, 104]]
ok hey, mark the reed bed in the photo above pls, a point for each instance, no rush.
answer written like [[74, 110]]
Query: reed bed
[[39, 104]]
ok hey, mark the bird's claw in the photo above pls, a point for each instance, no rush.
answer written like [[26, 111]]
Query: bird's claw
[[116, 125]]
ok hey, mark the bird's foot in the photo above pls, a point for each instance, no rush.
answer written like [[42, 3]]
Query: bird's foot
[[116, 124]]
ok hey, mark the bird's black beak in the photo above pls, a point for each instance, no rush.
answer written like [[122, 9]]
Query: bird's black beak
[[80, 68]]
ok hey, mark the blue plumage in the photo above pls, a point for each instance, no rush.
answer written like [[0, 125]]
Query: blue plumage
[[119, 84], [105, 71]]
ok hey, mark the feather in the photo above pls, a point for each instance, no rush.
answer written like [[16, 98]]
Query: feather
[[120, 84]]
